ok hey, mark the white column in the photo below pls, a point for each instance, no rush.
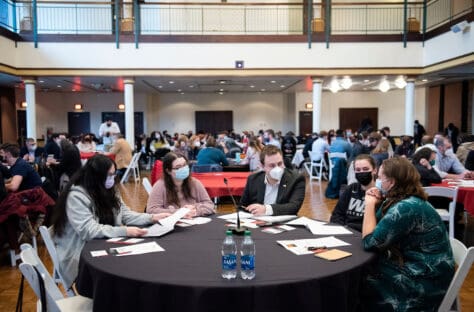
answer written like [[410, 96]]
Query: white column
[[409, 106], [317, 93], [127, 9], [129, 112], [30, 96]]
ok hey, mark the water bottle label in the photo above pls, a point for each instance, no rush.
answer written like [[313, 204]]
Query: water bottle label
[[247, 262], [229, 262]]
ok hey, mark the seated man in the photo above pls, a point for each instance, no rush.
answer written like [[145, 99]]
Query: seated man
[[31, 152], [24, 176], [447, 164], [276, 190]]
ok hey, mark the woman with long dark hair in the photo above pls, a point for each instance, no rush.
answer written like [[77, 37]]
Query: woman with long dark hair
[[91, 207], [424, 161], [176, 189], [415, 263]]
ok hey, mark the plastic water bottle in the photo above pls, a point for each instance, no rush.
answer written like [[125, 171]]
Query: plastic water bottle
[[247, 257], [229, 256]]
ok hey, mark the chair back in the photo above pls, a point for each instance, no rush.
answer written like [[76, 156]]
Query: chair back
[[332, 162], [147, 185], [463, 258], [48, 241], [207, 168], [36, 274], [133, 168], [446, 192]]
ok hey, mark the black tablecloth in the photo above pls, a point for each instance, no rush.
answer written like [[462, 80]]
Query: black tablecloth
[[187, 276]]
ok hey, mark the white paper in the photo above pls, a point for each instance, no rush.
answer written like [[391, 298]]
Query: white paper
[[304, 221], [300, 246], [275, 219], [171, 220], [99, 253], [114, 240], [318, 229], [133, 240], [286, 227], [137, 249], [197, 220], [231, 216]]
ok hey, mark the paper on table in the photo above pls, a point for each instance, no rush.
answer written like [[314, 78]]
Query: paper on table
[[99, 253], [167, 224], [304, 221], [300, 246], [275, 219], [230, 216], [333, 254], [318, 229], [197, 220], [137, 249]]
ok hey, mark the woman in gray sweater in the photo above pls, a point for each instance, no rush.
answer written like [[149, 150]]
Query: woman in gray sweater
[[91, 207]]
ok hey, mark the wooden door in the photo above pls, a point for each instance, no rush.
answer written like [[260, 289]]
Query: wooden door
[[78, 123], [306, 122], [214, 121], [352, 118]]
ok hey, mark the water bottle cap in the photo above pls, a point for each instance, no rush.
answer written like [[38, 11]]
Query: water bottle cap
[[247, 233], [228, 232]]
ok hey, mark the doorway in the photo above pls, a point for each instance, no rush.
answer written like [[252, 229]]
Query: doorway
[[119, 118], [214, 121], [78, 123], [306, 123], [352, 118]]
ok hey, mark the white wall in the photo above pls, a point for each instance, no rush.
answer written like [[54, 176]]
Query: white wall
[[53, 107], [391, 107]]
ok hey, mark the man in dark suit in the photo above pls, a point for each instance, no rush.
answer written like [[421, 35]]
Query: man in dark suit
[[276, 190], [31, 152]]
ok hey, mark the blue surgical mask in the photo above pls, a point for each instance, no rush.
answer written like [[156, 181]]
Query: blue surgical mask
[[182, 173], [378, 184], [110, 181]]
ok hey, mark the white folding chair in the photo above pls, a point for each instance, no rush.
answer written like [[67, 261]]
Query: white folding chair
[[331, 156], [463, 258], [14, 256], [134, 168], [445, 214], [147, 185], [39, 278], [48, 241], [315, 166]]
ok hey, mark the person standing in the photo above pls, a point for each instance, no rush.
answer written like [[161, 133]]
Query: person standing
[[108, 127], [418, 132], [452, 132]]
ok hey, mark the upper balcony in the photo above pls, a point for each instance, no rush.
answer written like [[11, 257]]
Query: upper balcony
[[308, 21]]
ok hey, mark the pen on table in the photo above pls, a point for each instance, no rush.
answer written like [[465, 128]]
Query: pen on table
[[316, 248]]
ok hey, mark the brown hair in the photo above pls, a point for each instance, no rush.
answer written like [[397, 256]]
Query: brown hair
[[269, 150], [171, 191], [367, 157], [406, 181], [211, 142], [256, 144], [382, 147]]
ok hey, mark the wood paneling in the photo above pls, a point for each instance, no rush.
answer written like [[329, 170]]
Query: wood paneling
[[433, 110], [351, 118], [452, 104]]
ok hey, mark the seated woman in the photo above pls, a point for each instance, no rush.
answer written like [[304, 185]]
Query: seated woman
[[91, 207], [349, 209], [252, 157], [415, 263], [181, 147], [381, 151], [159, 146], [424, 160], [211, 155], [176, 189], [86, 144]]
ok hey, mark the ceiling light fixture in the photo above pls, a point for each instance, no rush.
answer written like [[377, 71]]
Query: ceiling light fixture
[[171, 82], [334, 86], [384, 85], [273, 81], [282, 86], [400, 82], [309, 105], [121, 106], [24, 104], [77, 107], [346, 82]]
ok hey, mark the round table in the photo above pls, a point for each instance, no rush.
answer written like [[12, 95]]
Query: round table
[[465, 194], [187, 275]]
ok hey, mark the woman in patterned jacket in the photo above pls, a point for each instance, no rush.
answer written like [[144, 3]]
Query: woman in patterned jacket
[[415, 263]]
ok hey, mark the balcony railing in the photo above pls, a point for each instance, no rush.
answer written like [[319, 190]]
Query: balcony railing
[[167, 18]]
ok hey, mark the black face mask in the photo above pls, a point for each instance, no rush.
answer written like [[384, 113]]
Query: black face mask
[[364, 178]]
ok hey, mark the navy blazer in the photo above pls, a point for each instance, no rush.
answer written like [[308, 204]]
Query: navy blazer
[[290, 192]]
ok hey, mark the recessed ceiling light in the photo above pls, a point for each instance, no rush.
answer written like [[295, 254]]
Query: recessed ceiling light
[[59, 86], [159, 87], [222, 81], [41, 81], [252, 86], [366, 80], [273, 81], [73, 90], [191, 86], [282, 86], [263, 90], [171, 82], [221, 93], [182, 93], [221, 90], [179, 90], [424, 80]]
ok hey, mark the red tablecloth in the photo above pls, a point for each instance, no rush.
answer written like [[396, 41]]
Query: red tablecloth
[[465, 195], [215, 186], [87, 155]]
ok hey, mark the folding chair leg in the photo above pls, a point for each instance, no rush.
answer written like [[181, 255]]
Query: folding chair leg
[[13, 257]]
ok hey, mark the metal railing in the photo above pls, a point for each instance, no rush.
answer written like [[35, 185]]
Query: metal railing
[[64, 17]]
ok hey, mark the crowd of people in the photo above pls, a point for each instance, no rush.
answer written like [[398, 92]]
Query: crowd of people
[[384, 199]]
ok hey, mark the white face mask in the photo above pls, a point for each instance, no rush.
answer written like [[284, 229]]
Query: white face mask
[[109, 182], [276, 173]]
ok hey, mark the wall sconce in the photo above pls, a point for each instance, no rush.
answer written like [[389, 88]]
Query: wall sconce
[[121, 107], [309, 105], [24, 105], [384, 86], [78, 107], [400, 82]]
